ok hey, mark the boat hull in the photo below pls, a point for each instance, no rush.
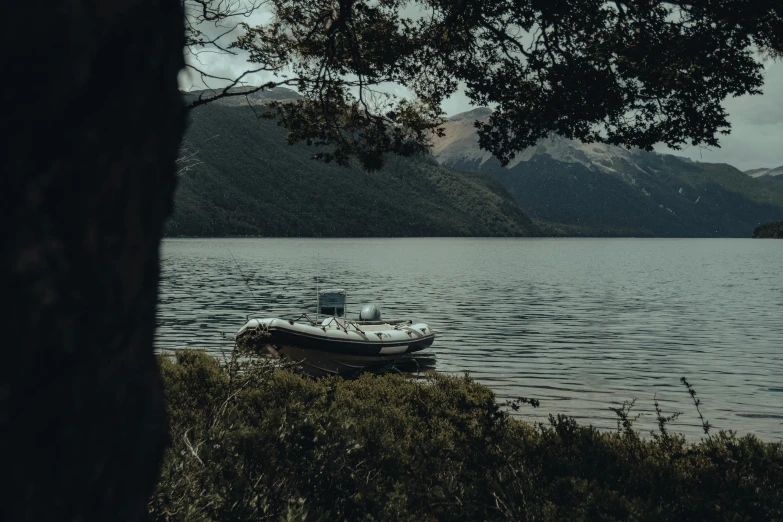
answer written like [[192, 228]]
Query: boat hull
[[345, 338], [366, 347], [337, 347], [319, 363]]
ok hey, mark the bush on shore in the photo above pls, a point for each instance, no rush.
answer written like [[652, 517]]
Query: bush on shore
[[252, 442], [769, 230]]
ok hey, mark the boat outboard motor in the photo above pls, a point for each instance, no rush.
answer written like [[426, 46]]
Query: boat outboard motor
[[370, 312]]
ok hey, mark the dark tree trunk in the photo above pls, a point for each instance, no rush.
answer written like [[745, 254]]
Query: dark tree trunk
[[92, 123]]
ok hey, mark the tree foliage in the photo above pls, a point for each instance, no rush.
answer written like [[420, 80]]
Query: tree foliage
[[630, 72]]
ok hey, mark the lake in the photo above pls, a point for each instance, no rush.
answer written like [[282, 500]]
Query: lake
[[580, 324]]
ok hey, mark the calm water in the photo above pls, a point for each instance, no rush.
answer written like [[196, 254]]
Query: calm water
[[580, 324]]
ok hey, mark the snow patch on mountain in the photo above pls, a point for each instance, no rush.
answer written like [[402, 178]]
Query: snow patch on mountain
[[460, 143], [765, 172]]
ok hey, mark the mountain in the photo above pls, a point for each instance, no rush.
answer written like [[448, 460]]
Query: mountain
[[598, 189], [775, 174], [240, 177]]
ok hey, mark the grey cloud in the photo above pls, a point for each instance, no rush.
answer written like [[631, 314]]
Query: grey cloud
[[756, 137]]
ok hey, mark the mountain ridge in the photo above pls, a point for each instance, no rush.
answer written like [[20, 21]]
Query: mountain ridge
[[245, 180], [253, 98], [570, 183], [774, 174]]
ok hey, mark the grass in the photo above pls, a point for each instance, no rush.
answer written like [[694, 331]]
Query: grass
[[254, 442]]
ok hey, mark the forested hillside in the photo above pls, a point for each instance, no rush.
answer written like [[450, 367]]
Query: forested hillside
[[242, 178]]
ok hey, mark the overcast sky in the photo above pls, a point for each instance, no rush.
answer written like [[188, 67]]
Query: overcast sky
[[756, 138]]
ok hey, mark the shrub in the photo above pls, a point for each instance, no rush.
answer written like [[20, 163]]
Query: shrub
[[253, 442]]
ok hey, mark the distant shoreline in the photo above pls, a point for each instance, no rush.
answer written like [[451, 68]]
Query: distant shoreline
[[459, 237], [772, 230]]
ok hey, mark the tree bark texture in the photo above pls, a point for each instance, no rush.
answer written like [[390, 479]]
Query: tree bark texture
[[92, 123]]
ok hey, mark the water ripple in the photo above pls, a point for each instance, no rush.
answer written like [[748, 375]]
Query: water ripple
[[579, 324]]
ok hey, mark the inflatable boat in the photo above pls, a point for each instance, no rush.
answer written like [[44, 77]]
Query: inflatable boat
[[333, 343]]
